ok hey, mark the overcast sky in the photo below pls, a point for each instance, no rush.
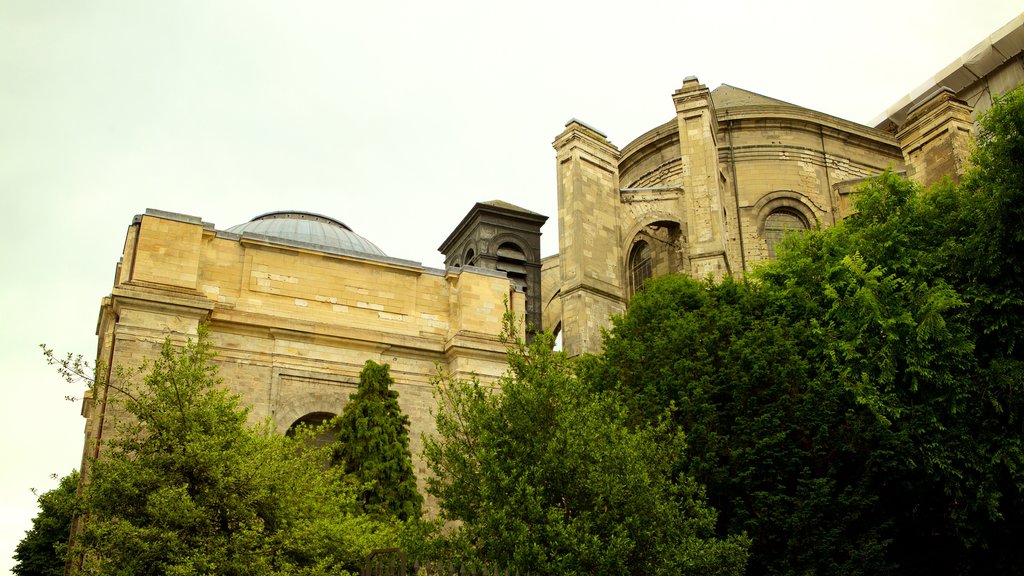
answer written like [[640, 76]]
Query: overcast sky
[[392, 116]]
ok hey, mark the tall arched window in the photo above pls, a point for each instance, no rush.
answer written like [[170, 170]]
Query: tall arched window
[[778, 223], [640, 266], [512, 261]]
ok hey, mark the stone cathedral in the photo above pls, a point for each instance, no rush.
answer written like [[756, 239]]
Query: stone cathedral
[[713, 189], [296, 302]]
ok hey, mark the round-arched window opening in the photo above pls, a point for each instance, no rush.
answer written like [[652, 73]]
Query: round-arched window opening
[[510, 251], [318, 422], [779, 223], [512, 261], [640, 266]]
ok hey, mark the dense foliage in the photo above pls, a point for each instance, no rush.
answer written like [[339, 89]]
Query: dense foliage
[[856, 407], [186, 487], [43, 550], [373, 446], [547, 477]]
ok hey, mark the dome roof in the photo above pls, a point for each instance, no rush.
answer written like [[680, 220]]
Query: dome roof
[[308, 228]]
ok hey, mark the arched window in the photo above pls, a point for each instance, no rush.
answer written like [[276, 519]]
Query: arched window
[[470, 256], [512, 261], [640, 268], [323, 437], [780, 222]]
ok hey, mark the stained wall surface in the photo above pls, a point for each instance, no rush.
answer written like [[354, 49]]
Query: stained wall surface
[[708, 193], [292, 324]]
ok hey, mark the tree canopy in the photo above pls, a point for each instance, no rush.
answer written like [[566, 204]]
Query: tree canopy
[[373, 446], [43, 550], [546, 476], [184, 486], [856, 405]]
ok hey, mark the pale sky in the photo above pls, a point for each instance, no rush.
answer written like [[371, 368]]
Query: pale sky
[[392, 116]]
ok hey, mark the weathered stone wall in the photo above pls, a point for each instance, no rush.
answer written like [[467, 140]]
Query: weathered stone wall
[[703, 185], [936, 139], [783, 161], [590, 263], [551, 302], [292, 326], [697, 190]]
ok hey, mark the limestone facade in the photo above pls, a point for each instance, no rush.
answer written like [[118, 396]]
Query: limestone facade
[[292, 321], [712, 190], [936, 140], [707, 193]]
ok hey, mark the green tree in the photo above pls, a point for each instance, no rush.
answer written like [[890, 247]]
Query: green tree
[[989, 263], [373, 446], [856, 406], [184, 486], [43, 550], [776, 449], [546, 476]]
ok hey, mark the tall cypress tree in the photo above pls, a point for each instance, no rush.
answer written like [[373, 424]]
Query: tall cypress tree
[[373, 446]]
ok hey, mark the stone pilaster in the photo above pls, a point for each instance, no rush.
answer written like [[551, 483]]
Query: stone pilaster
[[588, 236], [936, 138], [702, 189]]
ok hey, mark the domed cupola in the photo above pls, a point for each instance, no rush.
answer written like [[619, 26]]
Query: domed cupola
[[308, 228]]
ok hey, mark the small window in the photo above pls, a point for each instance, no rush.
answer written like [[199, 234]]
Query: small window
[[778, 224], [640, 268], [470, 256]]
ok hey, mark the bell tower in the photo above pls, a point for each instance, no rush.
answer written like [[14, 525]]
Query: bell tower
[[505, 238]]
